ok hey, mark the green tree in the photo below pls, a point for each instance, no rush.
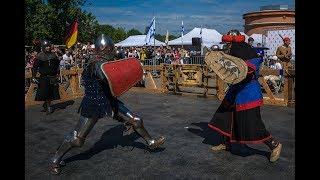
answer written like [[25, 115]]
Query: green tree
[[119, 35], [160, 37], [133, 32], [36, 16], [48, 19], [171, 37], [106, 29]]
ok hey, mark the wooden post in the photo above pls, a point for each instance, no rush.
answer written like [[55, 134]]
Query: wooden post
[[74, 82], [150, 84], [29, 96], [177, 77], [266, 87], [63, 93], [205, 80], [288, 87], [164, 79]]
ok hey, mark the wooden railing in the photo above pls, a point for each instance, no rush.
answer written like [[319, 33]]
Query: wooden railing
[[285, 98], [175, 76], [172, 78]]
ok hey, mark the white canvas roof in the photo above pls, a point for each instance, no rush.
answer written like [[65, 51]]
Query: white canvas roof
[[138, 40], [209, 37]]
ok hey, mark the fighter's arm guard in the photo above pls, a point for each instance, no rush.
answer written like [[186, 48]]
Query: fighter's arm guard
[[98, 72]]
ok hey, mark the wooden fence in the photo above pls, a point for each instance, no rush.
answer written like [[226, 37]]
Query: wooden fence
[[172, 78]]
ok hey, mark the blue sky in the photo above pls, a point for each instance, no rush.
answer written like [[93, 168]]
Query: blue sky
[[221, 15]]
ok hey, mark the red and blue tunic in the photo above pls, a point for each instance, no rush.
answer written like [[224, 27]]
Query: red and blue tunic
[[238, 117], [247, 94]]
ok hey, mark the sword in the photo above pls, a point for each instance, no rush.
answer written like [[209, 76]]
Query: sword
[[281, 36]]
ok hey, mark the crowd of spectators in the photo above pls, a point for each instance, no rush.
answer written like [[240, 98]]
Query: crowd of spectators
[[147, 55]]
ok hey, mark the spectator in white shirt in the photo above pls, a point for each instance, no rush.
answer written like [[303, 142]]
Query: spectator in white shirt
[[130, 54], [274, 64], [68, 60]]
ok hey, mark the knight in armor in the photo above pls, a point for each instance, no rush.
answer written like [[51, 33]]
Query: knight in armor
[[238, 118], [47, 64], [98, 102]]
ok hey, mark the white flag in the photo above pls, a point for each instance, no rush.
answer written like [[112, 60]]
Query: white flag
[[182, 29], [151, 31], [167, 37]]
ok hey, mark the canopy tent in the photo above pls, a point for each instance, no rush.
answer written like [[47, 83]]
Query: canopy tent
[[209, 37], [138, 40]]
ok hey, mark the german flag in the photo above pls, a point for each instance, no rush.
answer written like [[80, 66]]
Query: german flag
[[72, 35]]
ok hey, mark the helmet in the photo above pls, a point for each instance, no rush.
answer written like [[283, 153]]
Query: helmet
[[234, 32], [233, 36], [45, 43], [215, 48], [104, 44]]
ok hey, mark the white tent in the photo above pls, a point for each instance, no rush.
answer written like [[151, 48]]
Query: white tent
[[138, 40], [209, 37]]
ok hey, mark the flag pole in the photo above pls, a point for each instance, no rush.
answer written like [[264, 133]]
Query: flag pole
[[154, 36], [201, 42], [182, 29], [167, 38], [182, 42], [154, 44]]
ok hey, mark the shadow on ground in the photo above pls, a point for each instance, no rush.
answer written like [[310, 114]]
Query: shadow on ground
[[113, 138], [62, 105]]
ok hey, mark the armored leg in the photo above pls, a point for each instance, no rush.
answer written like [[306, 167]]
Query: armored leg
[[75, 138], [126, 116], [47, 107]]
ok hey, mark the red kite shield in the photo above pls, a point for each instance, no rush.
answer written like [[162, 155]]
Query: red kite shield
[[122, 74]]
